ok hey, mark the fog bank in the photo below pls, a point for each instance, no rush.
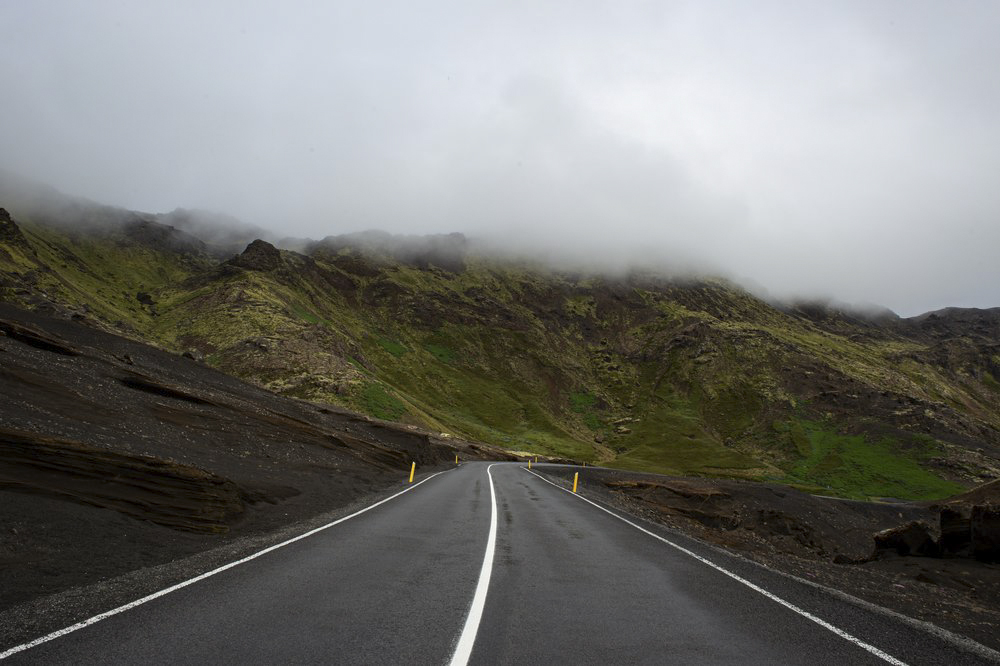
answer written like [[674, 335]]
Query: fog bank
[[847, 150]]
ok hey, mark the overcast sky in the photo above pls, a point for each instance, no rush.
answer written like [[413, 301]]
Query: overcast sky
[[830, 148]]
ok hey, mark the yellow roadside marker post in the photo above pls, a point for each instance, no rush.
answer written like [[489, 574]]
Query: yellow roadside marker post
[[576, 477], [529, 463], [456, 458], [413, 468]]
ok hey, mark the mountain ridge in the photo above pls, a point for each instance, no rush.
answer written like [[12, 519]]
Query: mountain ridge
[[641, 371]]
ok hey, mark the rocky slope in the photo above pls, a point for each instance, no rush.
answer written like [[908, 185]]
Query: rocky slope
[[115, 456], [637, 371]]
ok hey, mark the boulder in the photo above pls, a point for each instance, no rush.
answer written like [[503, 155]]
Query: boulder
[[913, 538], [985, 533], [194, 355], [955, 530]]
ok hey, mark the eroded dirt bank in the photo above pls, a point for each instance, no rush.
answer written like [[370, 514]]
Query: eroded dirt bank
[[115, 456]]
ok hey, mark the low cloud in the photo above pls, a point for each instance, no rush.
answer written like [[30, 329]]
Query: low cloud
[[845, 151]]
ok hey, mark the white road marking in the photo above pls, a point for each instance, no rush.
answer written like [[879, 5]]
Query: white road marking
[[463, 649], [172, 588], [806, 614]]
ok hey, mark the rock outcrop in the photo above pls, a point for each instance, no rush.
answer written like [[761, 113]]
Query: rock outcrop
[[913, 538], [10, 233], [985, 533], [259, 256], [968, 526]]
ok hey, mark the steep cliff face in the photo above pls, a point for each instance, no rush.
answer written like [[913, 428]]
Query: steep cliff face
[[637, 371]]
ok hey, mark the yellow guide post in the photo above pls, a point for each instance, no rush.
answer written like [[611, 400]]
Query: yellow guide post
[[456, 458], [576, 477], [529, 463], [413, 468]]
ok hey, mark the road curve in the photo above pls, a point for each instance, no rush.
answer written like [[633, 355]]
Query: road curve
[[390, 586], [570, 582], [574, 584]]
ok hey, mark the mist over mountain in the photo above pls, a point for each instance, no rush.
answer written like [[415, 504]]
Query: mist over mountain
[[843, 152], [224, 235]]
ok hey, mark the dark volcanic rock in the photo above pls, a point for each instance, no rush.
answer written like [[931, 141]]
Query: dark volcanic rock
[[10, 233], [913, 538], [7, 226], [123, 456], [956, 530], [985, 532], [970, 523], [33, 337], [162, 491], [259, 256], [951, 323]]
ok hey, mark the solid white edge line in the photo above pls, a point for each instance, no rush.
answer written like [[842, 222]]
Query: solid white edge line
[[172, 588], [467, 640], [756, 588]]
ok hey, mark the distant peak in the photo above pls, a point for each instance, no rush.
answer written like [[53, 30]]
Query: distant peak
[[9, 231], [258, 256], [445, 251]]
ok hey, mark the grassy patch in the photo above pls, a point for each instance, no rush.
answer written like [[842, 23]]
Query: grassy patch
[[305, 315], [441, 352], [581, 306], [670, 438], [581, 402], [991, 382], [584, 403], [378, 402], [395, 348], [855, 466], [795, 435]]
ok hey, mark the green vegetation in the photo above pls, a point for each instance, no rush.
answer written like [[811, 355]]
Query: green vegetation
[[440, 352], [697, 377], [860, 467], [583, 403], [671, 437], [991, 382], [305, 314], [581, 306], [380, 403], [796, 435], [395, 348]]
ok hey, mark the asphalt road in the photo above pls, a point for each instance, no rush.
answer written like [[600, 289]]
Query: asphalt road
[[569, 582]]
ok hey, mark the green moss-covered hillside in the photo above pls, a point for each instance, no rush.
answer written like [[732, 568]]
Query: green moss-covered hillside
[[636, 371]]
